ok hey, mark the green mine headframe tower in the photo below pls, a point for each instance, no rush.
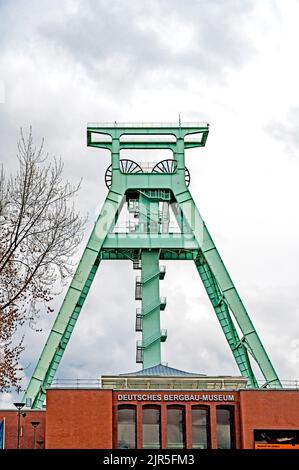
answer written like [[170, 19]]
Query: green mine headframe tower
[[154, 194]]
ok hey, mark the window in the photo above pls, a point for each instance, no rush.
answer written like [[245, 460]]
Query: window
[[175, 427], [126, 427], [151, 428], [200, 428], [225, 427]]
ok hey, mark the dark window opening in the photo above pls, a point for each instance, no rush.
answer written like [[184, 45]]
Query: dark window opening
[[225, 427], [151, 428], [200, 428], [126, 428], [176, 427]]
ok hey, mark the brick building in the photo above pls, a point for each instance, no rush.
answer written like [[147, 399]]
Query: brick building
[[161, 407]]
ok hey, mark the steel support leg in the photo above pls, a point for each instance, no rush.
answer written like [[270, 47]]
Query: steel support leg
[[72, 304], [228, 291], [222, 312]]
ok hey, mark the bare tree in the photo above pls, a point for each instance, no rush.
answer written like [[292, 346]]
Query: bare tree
[[39, 233]]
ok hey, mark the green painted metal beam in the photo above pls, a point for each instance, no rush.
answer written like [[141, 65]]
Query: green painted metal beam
[[74, 299], [116, 130], [148, 145], [250, 338], [222, 312], [172, 241], [133, 254], [151, 335]]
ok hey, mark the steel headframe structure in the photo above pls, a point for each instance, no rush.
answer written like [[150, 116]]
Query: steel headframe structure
[[150, 193]]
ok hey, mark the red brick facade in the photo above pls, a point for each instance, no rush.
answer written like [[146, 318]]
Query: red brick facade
[[265, 409], [87, 419], [27, 433], [79, 419]]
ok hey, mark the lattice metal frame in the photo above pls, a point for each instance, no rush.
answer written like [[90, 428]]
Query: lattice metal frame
[[147, 247]]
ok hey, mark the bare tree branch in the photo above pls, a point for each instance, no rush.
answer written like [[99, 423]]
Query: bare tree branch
[[39, 233]]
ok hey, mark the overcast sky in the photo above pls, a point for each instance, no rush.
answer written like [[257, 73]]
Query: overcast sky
[[228, 62]]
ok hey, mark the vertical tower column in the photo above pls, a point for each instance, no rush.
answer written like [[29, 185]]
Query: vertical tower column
[[179, 156], [148, 289], [151, 333], [149, 219]]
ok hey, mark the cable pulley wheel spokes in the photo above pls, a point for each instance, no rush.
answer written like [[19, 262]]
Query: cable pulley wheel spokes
[[187, 176], [170, 166], [165, 166], [126, 166]]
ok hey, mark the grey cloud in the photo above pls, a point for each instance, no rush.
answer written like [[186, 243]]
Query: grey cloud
[[286, 131], [275, 314], [114, 33], [112, 47]]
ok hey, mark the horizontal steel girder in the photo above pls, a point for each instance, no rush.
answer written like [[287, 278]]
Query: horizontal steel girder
[[146, 145], [179, 130], [134, 254], [171, 241]]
